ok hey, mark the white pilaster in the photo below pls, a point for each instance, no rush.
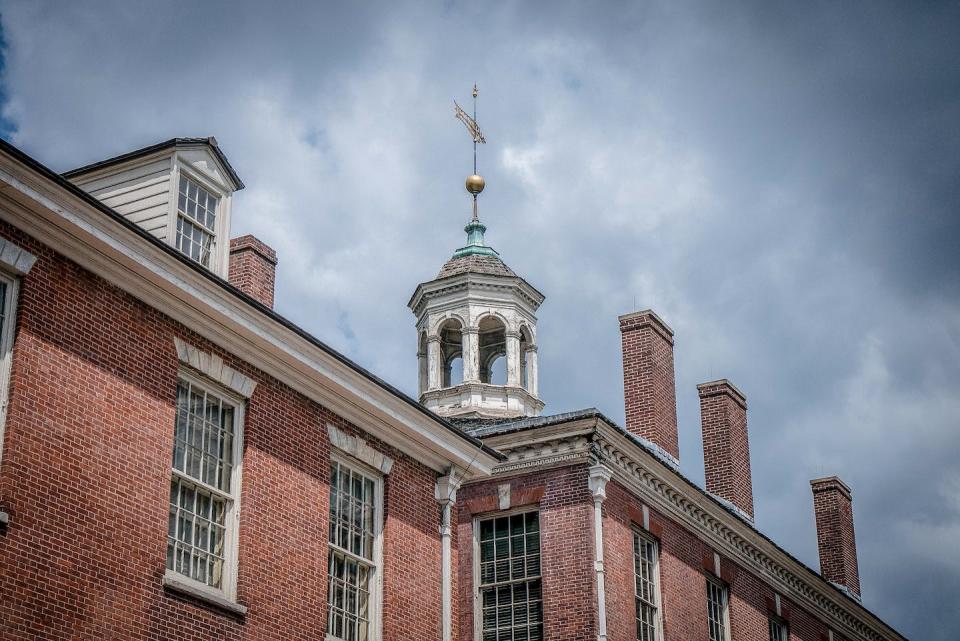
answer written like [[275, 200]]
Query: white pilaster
[[421, 372], [433, 362], [513, 359], [532, 380], [599, 475], [471, 355], [446, 494]]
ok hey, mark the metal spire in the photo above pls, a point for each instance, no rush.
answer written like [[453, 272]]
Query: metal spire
[[475, 184]]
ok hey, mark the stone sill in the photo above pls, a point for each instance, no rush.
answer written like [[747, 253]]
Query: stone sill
[[179, 583]]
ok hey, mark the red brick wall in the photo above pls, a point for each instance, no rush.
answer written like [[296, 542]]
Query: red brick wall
[[649, 389], [86, 470], [836, 540], [253, 268], [683, 575], [726, 446], [566, 543]]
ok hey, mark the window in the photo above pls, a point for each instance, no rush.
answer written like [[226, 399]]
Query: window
[[203, 488], [353, 559], [196, 221], [509, 591], [778, 630], [646, 570], [717, 597], [8, 301]]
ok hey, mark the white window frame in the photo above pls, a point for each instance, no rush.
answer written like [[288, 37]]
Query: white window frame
[[376, 583], [6, 347], [477, 602], [220, 255], [725, 611], [655, 571], [228, 587], [778, 622]]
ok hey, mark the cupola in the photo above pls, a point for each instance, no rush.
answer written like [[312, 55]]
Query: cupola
[[477, 327]]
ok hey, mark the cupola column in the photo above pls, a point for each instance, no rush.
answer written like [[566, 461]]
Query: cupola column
[[422, 369], [513, 359], [471, 355], [433, 362], [532, 380]]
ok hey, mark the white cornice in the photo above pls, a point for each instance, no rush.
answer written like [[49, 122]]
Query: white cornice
[[595, 441], [470, 281], [80, 231]]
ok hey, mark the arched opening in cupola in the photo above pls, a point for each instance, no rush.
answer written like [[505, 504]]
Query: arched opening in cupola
[[493, 351], [451, 352]]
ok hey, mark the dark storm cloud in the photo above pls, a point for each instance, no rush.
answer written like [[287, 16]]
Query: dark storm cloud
[[779, 181]]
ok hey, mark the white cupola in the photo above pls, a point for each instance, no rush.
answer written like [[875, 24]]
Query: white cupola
[[477, 331]]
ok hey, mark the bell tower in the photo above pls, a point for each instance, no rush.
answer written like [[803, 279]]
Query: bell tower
[[477, 325]]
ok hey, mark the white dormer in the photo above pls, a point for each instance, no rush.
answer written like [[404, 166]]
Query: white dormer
[[179, 190]]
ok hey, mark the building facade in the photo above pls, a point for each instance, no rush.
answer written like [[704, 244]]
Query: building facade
[[180, 462]]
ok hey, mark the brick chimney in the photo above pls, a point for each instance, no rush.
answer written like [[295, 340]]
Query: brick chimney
[[726, 448], [833, 506], [253, 268], [649, 390]]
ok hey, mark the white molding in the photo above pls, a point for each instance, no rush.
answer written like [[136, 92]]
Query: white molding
[[597, 481], [213, 367], [15, 259], [185, 585], [81, 232], [446, 495], [359, 449]]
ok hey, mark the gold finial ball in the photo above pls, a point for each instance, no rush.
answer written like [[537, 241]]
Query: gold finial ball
[[475, 184]]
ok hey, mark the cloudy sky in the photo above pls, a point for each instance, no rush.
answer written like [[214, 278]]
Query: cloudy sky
[[782, 184]]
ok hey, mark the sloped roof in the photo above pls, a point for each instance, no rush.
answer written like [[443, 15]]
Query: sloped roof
[[475, 264], [209, 141]]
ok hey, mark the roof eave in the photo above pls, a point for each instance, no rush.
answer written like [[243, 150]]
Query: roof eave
[[79, 218]]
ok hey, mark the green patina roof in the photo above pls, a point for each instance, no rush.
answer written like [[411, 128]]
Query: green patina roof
[[475, 257]]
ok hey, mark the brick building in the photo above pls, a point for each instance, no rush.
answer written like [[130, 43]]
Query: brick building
[[181, 462]]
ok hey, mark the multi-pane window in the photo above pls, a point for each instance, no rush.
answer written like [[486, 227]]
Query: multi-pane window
[[647, 594], [778, 630], [509, 588], [7, 319], [717, 610], [352, 555], [202, 492], [196, 221]]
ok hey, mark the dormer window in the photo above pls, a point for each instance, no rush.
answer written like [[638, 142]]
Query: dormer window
[[180, 191], [196, 221]]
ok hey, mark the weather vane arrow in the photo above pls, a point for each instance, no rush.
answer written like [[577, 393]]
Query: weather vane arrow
[[471, 123]]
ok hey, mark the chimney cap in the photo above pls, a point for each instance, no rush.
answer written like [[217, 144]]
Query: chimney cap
[[642, 315], [826, 483], [722, 386]]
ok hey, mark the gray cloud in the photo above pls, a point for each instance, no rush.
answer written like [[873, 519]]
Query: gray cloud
[[780, 183]]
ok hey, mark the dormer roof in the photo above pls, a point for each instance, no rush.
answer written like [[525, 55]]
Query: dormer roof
[[180, 143]]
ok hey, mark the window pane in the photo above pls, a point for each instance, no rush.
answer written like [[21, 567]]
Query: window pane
[[647, 599], [203, 437], [510, 591], [716, 611], [352, 511], [196, 531]]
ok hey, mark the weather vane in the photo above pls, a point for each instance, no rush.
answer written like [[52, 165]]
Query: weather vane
[[475, 183]]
